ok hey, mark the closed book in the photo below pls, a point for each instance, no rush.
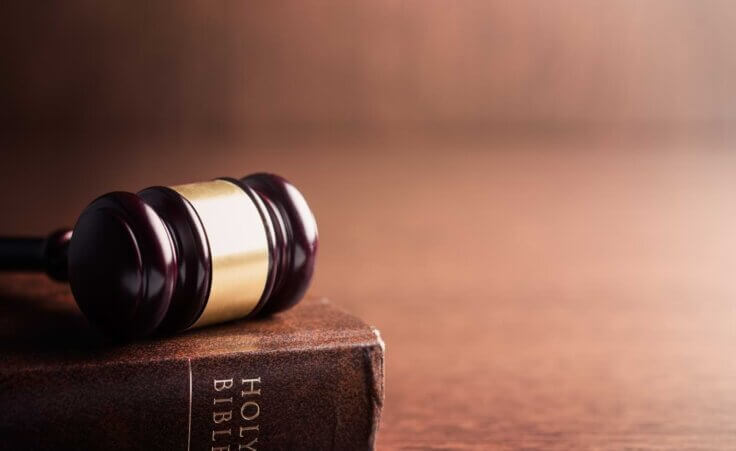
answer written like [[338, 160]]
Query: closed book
[[308, 378]]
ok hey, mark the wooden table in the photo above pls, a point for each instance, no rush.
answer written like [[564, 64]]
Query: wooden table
[[532, 296]]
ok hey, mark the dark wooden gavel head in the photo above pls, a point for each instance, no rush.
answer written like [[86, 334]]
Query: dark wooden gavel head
[[171, 258]]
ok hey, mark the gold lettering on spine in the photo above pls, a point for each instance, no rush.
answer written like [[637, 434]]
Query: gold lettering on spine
[[222, 417], [252, 384], [238, 247], [249, 405], [248, 446], [223, 384], [223, 431]]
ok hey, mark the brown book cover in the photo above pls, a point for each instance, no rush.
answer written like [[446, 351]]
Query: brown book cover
[[309, 378]]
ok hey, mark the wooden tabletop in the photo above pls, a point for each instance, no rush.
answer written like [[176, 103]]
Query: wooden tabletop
[[541, 298], [531, 296]]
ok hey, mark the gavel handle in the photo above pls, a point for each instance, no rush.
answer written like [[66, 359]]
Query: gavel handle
[[22, 254], [37, 254]]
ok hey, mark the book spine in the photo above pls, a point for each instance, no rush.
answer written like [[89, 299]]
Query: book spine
[[315, 398]]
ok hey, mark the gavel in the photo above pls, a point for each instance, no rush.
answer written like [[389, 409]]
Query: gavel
[[167, 259]]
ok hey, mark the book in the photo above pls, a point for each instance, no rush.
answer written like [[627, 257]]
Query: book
[[308, 378]]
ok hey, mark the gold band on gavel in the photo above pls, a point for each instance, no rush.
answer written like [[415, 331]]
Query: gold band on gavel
[[238, 248]]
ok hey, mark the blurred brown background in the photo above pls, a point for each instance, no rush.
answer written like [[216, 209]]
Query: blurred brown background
[[532, 200], [185, 70]]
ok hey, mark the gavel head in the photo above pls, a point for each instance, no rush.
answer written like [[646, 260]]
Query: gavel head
[[171, 258]]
